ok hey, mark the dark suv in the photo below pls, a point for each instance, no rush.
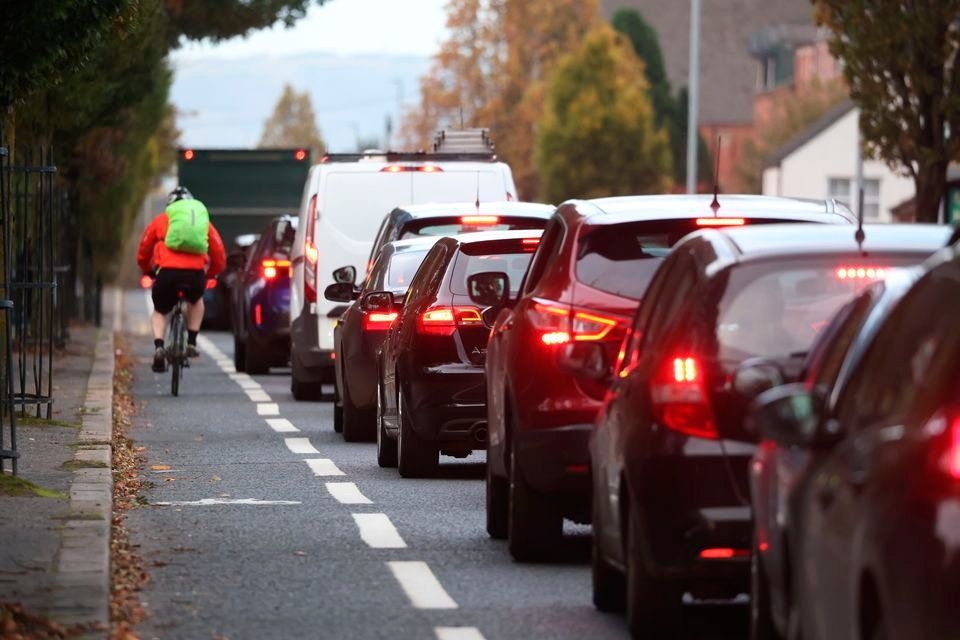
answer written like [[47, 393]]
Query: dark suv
[[586, 280], [729, 314], [432, 396]]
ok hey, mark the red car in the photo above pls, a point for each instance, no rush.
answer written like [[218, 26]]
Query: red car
[[584, 284]]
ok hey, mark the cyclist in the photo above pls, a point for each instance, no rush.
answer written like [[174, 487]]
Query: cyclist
[[181, 248]]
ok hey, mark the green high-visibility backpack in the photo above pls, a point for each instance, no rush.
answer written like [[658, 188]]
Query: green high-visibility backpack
[[189, 224]]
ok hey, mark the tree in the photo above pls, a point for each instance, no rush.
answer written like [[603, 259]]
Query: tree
[[598, 136], [791, 116], [671, 112], [222, 19], [293, 124], [900, 60]]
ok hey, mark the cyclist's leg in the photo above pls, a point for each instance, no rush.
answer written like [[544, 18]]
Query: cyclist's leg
[[193, 292], [164, 296]]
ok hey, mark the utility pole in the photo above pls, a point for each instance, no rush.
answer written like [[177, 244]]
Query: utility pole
[[857, 191], [694, 93]]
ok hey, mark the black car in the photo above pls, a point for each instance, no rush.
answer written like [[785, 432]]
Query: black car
[[432, 391], [260, 301], [728, 315], [859, 469], [218, 295], [450, 219], [359, 335]]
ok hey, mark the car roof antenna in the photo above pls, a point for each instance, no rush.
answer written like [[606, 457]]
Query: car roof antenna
[[715, 205], [860, 236], [478, 192]]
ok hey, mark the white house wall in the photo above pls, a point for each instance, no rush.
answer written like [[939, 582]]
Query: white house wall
[[831, 154]]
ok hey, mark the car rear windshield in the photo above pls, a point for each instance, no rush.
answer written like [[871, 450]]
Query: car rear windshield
[[403, 266], [506, 258], [454, 225], [776, 309]]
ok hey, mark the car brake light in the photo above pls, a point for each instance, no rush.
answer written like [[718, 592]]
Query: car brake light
[[559, 324], [392, 168], [723, 553], [211, 283], [378, 320], [680, 400], [721, 222], [300, 154], [430, 168], [530, 244], [951, 458], [861, 273], [272, 267], [258, 314], [188, 154], [479, 219], [311, 255], [443, 321]]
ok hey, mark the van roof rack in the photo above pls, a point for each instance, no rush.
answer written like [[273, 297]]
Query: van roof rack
[[410, 156], [463, 141]]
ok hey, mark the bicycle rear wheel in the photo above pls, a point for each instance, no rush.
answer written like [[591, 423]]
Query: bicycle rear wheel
[[177, 340]]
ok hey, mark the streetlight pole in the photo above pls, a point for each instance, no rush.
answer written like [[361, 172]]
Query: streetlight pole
[[694, 97]]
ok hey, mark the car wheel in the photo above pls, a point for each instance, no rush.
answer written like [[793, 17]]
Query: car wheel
[[301, 389], [356, 423], [534, 527], [416, 457], [337, 411], [498, 504], [761, 617], [239, 355], [255, 360], [386, 446], [609, 585], [653, 605]]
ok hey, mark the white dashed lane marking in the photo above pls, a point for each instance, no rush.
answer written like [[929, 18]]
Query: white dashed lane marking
[[421, 586], [347, 493], [458, 633], [378, 532], [257, 395], [268, 409], [281, 425], [301, 445], [324, 467]]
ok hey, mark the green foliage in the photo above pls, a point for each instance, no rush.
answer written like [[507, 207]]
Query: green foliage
[[901, 61], [598, 136], [671, 112], [293, 124]]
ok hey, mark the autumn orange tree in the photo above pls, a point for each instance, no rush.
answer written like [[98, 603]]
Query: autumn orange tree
[[492, 71], [293, 124]]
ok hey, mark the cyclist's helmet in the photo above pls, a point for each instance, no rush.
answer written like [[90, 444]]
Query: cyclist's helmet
[[180, 193]]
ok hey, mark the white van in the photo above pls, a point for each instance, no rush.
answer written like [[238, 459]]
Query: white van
[[345, 199]]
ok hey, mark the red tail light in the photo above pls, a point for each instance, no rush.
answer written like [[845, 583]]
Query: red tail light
[[271, 268], [310, 255], [188, 154], [530, 244], [258, 314], [559, 324], [300, 154], [479, 220], [680, 399], [861, 273], [443, 321], [211, 283], [951, 458], [430, 168], [721, 222], [723, 553], [378, 320]]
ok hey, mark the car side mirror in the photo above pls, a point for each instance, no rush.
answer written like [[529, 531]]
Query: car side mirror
[[792, 415], [489, 289], [756, 375], [347, 274], [341, 292], [377, 301], [586, 360]]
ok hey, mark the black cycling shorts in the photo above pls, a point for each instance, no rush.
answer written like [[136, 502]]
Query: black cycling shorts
[[170, 282]]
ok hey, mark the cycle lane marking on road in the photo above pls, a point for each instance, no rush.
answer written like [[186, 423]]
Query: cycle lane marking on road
[[347, 493], [281, 425], [378, 532], [323, 467], [257, 395], [421, 586], [458, 633], [301, 446], [268, 409]]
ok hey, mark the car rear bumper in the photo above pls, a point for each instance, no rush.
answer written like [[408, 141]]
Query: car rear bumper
[[556, 463], [310, 362], [449, 406]]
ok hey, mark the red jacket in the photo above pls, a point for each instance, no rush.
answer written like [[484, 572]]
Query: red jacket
[[154, 253]]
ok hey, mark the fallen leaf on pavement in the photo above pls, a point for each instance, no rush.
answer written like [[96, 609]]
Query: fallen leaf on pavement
[[160, 467]]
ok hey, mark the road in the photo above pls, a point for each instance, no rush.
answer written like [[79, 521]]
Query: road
[[267, 525]]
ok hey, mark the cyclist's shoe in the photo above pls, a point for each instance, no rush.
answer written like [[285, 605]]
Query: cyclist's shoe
[[159, 360], [192, 351]]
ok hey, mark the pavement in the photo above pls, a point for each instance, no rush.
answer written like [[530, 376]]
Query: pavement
[[260, 522]]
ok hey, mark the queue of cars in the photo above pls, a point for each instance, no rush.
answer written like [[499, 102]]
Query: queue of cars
[[741, 394]]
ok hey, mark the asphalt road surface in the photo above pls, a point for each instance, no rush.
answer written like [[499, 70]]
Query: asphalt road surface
[[267, 525]]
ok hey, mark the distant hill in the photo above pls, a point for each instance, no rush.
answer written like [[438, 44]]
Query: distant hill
[[224, 102]]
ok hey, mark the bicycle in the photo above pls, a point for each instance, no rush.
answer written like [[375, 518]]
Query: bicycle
[[177, 349]]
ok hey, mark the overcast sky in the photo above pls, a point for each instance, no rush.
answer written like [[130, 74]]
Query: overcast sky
[[394, 27]]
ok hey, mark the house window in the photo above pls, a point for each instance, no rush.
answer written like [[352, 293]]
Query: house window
[[841, 189]]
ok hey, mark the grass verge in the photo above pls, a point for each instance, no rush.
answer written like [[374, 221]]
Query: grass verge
[[18, 487], [129, 574], [33, 421]]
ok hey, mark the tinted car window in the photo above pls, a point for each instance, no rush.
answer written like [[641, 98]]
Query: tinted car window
[[454, 226], [513, 264], [830, 349], [403, 266], [426, 278], [549, 247]]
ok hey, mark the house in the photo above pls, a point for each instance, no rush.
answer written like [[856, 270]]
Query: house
[[821, 161]]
